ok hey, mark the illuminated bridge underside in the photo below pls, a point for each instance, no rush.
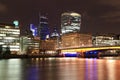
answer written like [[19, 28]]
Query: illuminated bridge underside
[[85, 49]]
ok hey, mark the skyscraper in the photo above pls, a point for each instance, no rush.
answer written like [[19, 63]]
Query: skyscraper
[[43, 28], [70, 22]]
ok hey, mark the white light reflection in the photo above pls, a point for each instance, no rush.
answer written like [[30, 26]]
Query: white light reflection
[[10, 69], [101, 70], [68, 69], [111, 69]]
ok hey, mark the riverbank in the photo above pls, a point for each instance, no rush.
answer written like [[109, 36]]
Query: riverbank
[[28, 56], [47, 56]]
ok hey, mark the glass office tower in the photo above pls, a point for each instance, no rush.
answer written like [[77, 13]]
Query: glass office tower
[[70, 22]]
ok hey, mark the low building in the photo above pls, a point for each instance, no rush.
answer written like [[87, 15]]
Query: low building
[[105, 40], [75, 40], [29, 45], [48, 46]]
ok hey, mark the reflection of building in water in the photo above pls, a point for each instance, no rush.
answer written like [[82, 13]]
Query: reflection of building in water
[[9, 36], [70, 22], [105, 39], [72, 40]]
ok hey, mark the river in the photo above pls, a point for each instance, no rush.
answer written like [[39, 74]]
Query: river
[[60, 69]]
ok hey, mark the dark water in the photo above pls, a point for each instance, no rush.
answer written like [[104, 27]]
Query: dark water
[[60, 69]]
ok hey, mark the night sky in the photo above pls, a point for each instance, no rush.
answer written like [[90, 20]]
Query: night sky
[[98, 16]]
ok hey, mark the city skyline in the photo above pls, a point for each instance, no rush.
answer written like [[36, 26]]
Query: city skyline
[[102, 16]]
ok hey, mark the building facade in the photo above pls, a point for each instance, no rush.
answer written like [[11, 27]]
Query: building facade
[[9, 37], [75, 40], [48, 46], [105, 40], [29, 45], [70, 22]]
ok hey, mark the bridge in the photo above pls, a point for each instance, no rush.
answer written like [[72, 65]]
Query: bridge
[[83, 51]]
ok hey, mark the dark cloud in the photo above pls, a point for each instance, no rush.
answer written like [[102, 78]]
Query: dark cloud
[[110, 13], [115, 3], [3, 8]]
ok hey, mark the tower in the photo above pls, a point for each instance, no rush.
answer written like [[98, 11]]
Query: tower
[[70, 22], [43, 27], [55, 32]]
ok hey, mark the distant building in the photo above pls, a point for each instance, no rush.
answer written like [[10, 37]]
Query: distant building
[[16, 23], [29, 45], [48, 46], [70, 22], [55, 33], [9, 37], [34, 30], [105, 39], [75, 40], [43, 28]]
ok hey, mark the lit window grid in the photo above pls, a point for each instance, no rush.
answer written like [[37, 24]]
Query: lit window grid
[[105, 40], [76, 40], [70, 23], [10, 37]]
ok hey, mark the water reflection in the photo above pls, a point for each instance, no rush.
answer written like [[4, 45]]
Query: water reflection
[[91, 68], [10, 69], [59, 69], [111, 71]]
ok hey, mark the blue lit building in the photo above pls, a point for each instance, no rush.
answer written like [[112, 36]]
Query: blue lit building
[[34, 30], [43, 28]]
